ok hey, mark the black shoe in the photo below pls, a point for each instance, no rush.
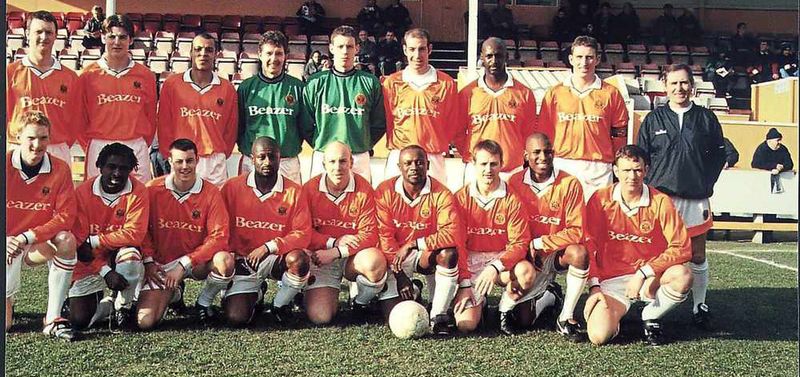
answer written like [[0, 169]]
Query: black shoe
[[61, 329], [283, 315], [179, 308], [555, 289], [260, 307], [123, 318], [297, 303], [702, 319], [507, 323], [572, 331], [652, 333], [442, 324], [359, 313], [205, 314]]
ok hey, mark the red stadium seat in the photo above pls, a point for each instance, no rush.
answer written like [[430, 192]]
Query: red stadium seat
[[183, 43], [60, 21], [248, 65], [165, 42], [556, 64], [74, 21], [152, 17], [212, 23], [528, 49], [191, 22], [143, 40], [226, 64], [15, 20], [658, 55], [699, 55], [534, 63], [548, 51], [637, 54], [179, 62], [679, 54], [252, 24], [69, 58], [171, 22], [230, 42], [604, 70], [15, 38], [158, 62], [250, 43], [231, 23]]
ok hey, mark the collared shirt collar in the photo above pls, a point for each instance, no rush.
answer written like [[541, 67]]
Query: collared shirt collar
[[539, 188], [273, 80], [187, 77], [103, 63], [398, 188], [26, 62], [631, 209], [16, 162], [182, 196], [487, 202], [596, 84], [278, 187], [422, 81], [323, 187], [338, 73], [482, 83], [110, 199]]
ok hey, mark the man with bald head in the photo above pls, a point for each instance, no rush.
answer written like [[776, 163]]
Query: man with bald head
[[200, 106], [420, 231], [269, 225], [344, 237], [554, 203], [495, 107]]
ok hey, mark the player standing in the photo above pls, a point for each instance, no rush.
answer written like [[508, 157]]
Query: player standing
[[638, 244], [271, 104], [270, 224], [420, 231], [40, 204], [554, 201], [343, 238], [39, 82], [420, 103], [113, 210], [116, 100], [187, 234], [344, 104], [687, 150], [200, 106], [497, 244], [585, 118], [495, 107]]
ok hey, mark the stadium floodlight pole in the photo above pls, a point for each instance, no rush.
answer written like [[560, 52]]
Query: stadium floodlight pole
[[111, 7], [472, 39]]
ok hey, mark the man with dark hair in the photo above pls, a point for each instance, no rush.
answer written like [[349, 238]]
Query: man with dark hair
[[367, 50], [390, 53], [310, 15], [113, 210], [397, 18], [344, 104], [666, 27], [201, 106], [691, 31], [271, 104], [115, 100], [187, 236], [38, 82], [772, 155], [764, 65], [313, 65], [638, 246], [94, 29], [743, 46], [370, 19], [503, 22], [687, 149], [787, 61]]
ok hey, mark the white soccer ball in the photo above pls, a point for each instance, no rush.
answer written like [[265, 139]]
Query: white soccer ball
[[409, 320]]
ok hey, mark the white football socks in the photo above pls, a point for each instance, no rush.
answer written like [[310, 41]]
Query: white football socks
[[58, 281], [214, 283], [576, 280], [699, 284], [367, 290], [666, 299], [291, 285], [132, 271], [446, 287]]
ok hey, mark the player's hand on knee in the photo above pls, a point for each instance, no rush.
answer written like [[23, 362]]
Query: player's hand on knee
[[485, 281], [326, 256], [13, 248], [596, 298], [467, 302], [514, 289], [400, 256], [115, 281], [154, 275], [349, 240], [174, 277], [256, 256], [84, 252], [404, 286], [634, 286]]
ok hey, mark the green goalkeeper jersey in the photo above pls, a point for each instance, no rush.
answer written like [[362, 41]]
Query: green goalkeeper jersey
[[274, 108], [347, 107]]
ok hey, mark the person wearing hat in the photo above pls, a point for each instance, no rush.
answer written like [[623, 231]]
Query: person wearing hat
[[787, 61], [772, 155]]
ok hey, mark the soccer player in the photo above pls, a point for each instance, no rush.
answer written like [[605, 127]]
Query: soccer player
[[113, 210], [585, 118], [497, 241], [344, 237], [637, 245], [187, 236], [420, 230], [39, 82], [495, 107], [270, 224], [200, 106], [115, 100], [420, 104], [271, 104], [344, 104], [687, 150], [554, 201], [40, 204]]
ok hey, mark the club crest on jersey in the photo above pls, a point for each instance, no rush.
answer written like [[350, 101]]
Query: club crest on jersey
[[45, 190], [63, 88], [282, 210], [120, 212], [220, 101], [512, 104], [499, 219], [436, 99], [425, 212], [555, 206], [646, 226], [137, 84], [361, 99], [196, 214], [599, 105], [353, 210], [289, 99]]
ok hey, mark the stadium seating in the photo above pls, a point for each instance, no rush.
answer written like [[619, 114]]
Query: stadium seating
[[60, 19], [183, 43], [604, 70], [158, 61], [191, 23], [250, 43], [637, 54], [15, 20], [179, 62], [528, 50], [657, 54], [699, 55], [171, 22], [89, 56], [614, 54], [143, 40], [248, 65], [74, 21], [230, 42], [15, 38], [212, 23], [548, 51], [139, 55], [252, 24], [679, 54], [295, 62], [231, 24], [164, 42], [319, 43], [69, 59], [226, 63]]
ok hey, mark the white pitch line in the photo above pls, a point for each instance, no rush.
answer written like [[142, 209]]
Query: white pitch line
[[769, 262]]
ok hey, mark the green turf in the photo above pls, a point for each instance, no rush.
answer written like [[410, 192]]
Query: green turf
[[755, 307]]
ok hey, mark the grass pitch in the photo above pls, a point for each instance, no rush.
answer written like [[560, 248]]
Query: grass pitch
[[755, 308]]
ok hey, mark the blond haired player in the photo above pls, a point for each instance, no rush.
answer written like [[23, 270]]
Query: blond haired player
[[585, 118]]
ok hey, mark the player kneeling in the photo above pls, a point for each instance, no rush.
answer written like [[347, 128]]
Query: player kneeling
[[188, 228], [497, 245], [343, 237], [113, 209], [638, 244], [419, 228], [554, 201], [270, 223]]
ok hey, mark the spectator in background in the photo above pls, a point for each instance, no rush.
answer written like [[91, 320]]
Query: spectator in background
[[666, 28], [325, 63], [369, 18], [367, 49], [313, 65], [626, 25], [390, 53], [310, 16], [787, 61], [603, 20], [582, 21], [772, 155], [690, 29], [396, 18], [94, 28], [503, 22], [560, 30], [719, 70], [765, 65], [485, 27], [731, 154], [743, 46]]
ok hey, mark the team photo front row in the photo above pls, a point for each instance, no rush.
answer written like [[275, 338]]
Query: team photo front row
[[140, 241]]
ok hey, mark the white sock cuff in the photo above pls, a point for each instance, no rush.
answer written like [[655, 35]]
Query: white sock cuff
[[214, 277], [447, 272], [577, 272], [128, 254], [64, 264], [699, 268], [361, 279], [295, 281], [671, 294], [506, 303]]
